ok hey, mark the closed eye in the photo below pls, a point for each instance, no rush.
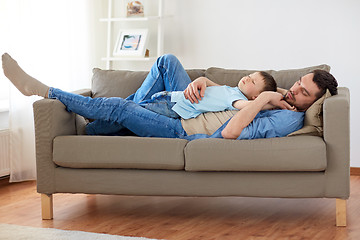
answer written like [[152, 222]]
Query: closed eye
[[303, 90]]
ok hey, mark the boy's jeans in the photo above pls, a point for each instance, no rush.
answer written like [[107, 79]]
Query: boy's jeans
[[167, 74], [160, 103], [126, 113]]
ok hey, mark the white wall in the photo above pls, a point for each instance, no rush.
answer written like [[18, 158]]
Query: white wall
[[278, 34]]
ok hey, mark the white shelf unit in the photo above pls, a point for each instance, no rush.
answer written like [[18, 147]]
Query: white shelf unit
[[110, 20]]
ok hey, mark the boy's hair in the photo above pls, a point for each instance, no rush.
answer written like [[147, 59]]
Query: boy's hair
[[325, 80], [270, 83]]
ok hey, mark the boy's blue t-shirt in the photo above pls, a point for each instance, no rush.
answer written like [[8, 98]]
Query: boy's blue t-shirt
[[216, 98]]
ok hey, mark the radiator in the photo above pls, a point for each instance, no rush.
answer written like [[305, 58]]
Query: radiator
[[4, 152]]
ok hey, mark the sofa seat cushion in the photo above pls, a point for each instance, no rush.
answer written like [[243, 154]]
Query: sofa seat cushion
[[298, 153], [119, 152]]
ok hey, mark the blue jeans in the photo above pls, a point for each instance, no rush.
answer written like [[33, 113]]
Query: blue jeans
[[167, 74], [160, 103], [126, 113]]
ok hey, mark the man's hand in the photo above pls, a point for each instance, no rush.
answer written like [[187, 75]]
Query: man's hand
[[192, 91]]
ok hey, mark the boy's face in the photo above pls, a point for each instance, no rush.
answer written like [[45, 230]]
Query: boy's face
[[252, 85], [303, 93]]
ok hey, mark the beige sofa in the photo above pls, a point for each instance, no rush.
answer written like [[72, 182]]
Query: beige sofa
[[308, 165]]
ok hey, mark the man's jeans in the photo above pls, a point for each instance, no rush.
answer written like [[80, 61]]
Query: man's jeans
[[126, 113], [167, 74]]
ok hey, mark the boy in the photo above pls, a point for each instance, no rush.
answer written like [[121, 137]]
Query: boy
[[219, 98]]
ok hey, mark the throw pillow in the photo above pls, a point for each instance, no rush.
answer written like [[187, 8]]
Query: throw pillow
[[116, 83]]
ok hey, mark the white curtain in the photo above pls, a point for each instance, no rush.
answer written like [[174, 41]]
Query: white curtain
[[53, 41]]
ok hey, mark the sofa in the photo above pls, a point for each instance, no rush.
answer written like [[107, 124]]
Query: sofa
[[310, 163]]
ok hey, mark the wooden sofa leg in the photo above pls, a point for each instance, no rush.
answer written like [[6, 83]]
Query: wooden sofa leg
[[46, 206], [340, 212]]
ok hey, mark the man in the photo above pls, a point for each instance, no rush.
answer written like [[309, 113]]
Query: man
[[301, 95], [167, 74]]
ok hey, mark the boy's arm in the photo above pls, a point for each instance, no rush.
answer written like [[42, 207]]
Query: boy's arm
[[246, 115], [283, 91], [199, 84], [240, 104]]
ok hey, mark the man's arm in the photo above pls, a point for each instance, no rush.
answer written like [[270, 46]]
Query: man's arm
[[246, 115], [192, 91]]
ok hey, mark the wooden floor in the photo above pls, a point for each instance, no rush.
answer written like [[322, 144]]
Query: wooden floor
[[183, 218]]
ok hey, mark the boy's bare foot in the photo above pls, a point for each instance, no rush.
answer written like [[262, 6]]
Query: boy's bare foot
[[26, 84]]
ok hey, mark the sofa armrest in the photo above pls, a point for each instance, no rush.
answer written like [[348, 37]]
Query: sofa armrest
[[337, 138], [51, 119]]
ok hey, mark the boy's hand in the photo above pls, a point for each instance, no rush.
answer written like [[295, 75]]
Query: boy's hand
[[192, 91], [284, 105], [277, 100]]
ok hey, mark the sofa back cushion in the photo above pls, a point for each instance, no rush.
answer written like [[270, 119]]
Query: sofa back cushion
[[116, 83], [284, 78], [122, 83]]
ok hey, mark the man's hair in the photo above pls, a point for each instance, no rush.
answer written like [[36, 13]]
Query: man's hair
[[270, 83], [325, 80]]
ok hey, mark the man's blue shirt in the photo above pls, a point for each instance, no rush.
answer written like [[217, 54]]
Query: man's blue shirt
[[266, 124]]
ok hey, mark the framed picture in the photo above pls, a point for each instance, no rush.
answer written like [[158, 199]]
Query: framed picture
[[131, 42]]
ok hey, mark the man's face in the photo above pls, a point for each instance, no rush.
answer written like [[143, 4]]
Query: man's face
[[303, 93]]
